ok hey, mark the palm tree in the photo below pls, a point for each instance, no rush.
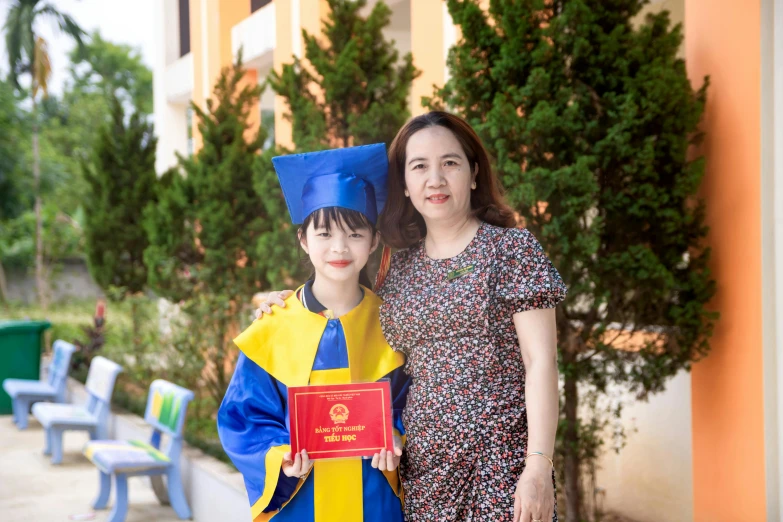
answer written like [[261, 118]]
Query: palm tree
[[28, 54]]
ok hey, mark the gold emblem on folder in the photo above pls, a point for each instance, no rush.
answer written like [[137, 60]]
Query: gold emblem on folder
[[339, 413]]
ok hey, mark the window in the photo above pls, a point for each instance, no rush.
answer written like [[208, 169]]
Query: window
[[184, 27], [255, 5], [268, 124], [189, 123]]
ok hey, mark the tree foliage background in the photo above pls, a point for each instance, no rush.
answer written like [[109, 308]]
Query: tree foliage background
[[69, 125], [351, 89], [205, 221], [590, 118], [122, 183]]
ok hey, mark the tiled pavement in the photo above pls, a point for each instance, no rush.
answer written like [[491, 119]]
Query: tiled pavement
[[32, 489]]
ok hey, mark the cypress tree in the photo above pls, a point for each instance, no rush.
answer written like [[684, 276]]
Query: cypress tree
[[352, 89], [590, 116], [121, 184], [206, 221], [121, 180]]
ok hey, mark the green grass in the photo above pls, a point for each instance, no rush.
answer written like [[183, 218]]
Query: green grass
[[70, 317], [71, 311], [67, 319]]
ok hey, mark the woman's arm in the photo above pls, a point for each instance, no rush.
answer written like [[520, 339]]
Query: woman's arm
[[538, 341], [537, 335]]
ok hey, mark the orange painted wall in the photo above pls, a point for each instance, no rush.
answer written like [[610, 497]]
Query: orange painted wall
[[284, 49], [250, 79], [311, 15], [427, 49], [723, 41], [231, 13], [221, 16]]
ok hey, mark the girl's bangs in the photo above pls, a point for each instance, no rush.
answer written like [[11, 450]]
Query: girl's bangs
[[341, 217]]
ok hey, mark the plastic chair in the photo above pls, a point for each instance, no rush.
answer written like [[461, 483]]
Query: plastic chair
[[93, 416], [26, 392], [167, 404]]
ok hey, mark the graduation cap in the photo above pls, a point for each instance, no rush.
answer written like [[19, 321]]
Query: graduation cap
[[352, 178]]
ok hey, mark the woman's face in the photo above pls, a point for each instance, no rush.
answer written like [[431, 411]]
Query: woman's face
[[438, 176]]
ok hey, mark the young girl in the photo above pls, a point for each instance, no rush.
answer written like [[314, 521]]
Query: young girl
[[329, 333]]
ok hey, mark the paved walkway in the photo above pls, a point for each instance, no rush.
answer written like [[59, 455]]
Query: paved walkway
[[32, 489]]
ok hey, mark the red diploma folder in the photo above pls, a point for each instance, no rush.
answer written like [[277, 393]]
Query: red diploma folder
[[341, 420]]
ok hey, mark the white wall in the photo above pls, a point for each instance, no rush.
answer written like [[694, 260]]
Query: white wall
[[170, 119], [268, 96], [772, 247], [72, 282], [256, 35], [651, 479], [399, 28]]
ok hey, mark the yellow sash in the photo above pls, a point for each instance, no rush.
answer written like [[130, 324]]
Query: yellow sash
[[285, 345]]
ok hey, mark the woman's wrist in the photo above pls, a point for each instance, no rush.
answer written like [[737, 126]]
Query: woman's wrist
[[539, 459]]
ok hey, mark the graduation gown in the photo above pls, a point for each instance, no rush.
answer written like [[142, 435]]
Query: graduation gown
[[294, 347]]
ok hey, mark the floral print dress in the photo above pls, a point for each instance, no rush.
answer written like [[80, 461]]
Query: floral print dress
[[465, 418]]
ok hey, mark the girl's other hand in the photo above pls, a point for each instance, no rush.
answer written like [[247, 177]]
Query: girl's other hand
[[274, 298], [388, 460], [297, 467]]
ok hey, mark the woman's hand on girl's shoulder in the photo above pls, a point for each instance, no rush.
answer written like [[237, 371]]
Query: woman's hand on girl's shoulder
[[273, 298]]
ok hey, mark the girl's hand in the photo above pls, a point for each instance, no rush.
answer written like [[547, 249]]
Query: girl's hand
[[388, 460], [297, 467], [272, 299], [534, 498]]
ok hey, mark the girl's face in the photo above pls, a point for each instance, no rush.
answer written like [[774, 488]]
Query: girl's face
[[339, 253], [438, 176]]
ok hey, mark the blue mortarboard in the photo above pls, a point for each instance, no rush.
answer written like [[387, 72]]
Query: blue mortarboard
[[353, 178]]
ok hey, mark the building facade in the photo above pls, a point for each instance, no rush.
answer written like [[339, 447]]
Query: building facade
[[710, 448], [196, 38]]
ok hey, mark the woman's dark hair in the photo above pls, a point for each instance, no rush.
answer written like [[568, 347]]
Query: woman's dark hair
[[400, 223], [342, 218]]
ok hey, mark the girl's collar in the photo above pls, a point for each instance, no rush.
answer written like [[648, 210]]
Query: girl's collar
[[308, 300]]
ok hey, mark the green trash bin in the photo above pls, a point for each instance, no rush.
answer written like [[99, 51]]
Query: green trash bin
[[20, 354]]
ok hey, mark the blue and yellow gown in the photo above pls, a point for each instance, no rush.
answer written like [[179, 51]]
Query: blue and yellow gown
[[300, 345]]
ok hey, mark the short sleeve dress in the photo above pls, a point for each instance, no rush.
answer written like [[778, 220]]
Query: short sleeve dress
[[465, 418]]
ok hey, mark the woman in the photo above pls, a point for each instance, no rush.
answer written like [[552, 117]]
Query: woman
[[470, 301]]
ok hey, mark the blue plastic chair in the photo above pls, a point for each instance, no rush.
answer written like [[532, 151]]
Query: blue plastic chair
[[167, 405], [26, 392], [93, 416]]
